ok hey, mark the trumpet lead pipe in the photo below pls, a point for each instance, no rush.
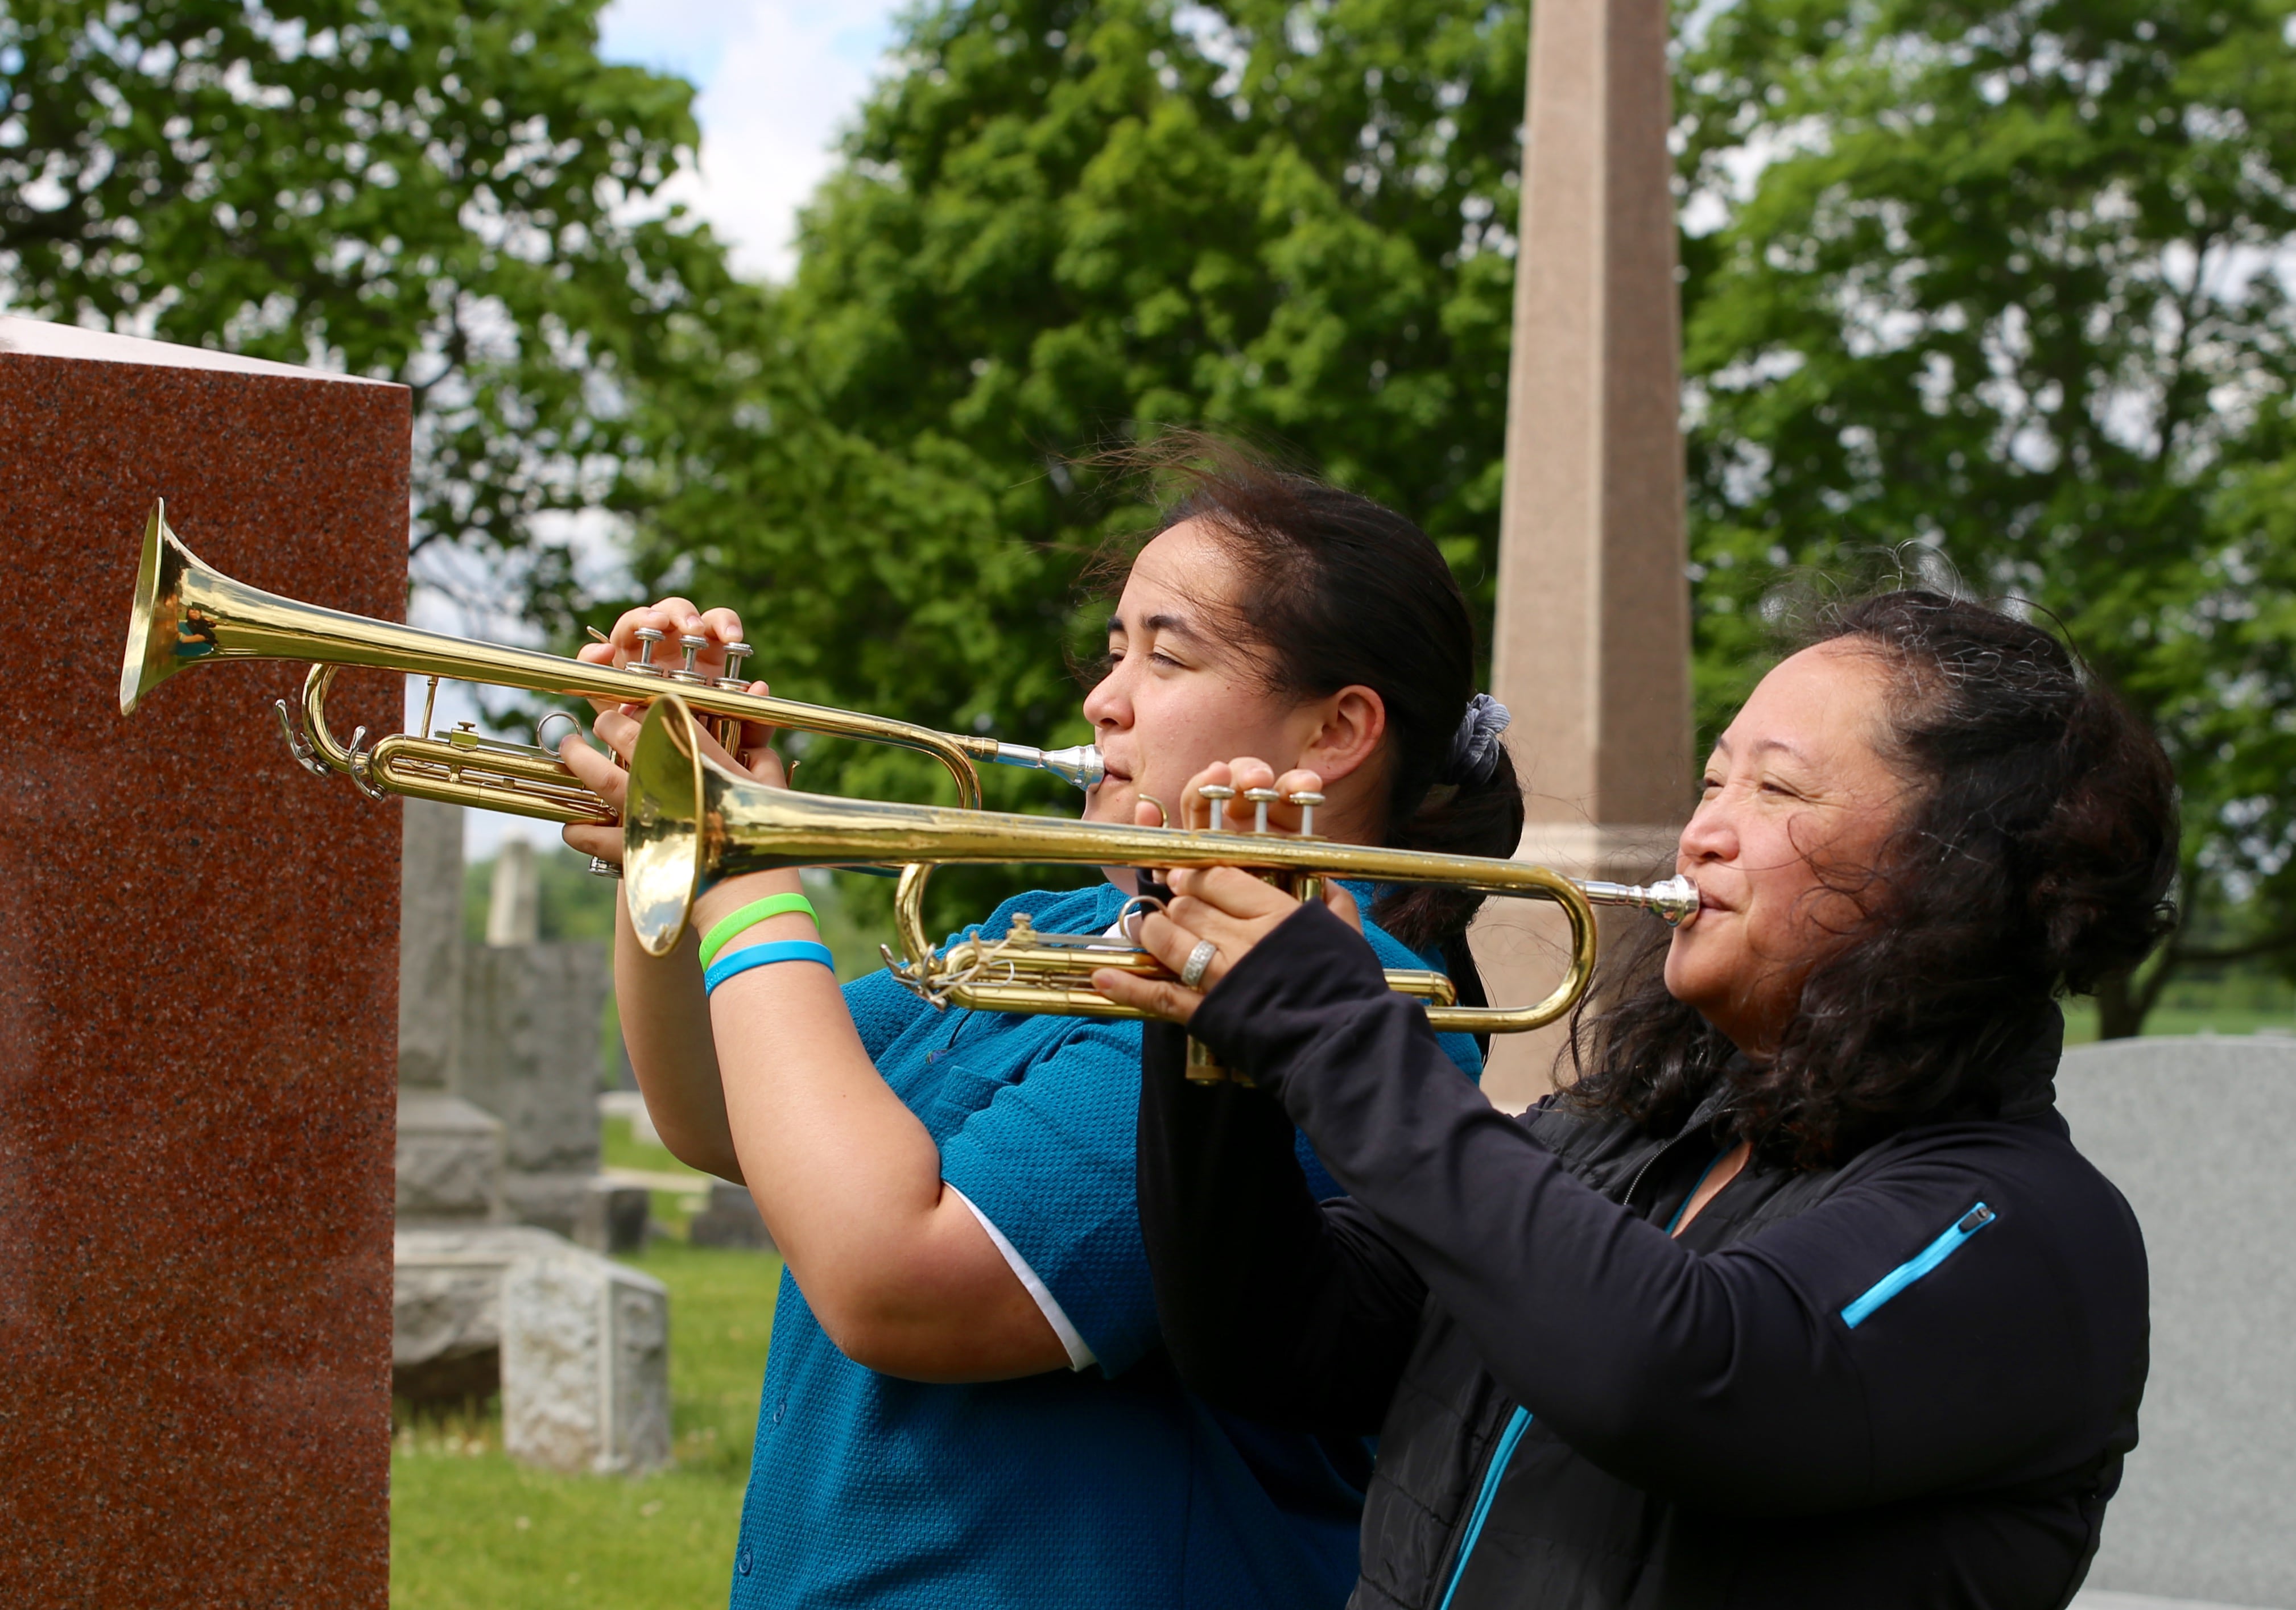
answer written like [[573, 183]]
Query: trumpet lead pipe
[[1081, 766]]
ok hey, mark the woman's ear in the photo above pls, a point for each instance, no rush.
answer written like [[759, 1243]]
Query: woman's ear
[[1352, 730]]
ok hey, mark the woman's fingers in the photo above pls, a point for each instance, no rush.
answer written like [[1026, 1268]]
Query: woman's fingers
[[755, 754], [722, 624], [1226, 895], [1240, 815], [592, 839], [1194, 808], [603, 778], [1159, 997], [618, 729], [1230, 910], [1343, 904]]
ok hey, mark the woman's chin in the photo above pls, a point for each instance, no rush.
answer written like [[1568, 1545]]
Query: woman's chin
[[1111, 801], [1692, 980]]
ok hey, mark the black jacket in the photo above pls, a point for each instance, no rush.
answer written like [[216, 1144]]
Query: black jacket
[[1908, 1381]]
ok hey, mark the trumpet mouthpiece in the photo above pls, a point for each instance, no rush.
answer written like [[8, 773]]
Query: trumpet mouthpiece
[[1081, 766], [1673, 902]]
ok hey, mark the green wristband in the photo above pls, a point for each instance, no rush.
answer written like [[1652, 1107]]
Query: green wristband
[[750, 916]]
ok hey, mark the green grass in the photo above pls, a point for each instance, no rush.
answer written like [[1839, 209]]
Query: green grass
[[2080, 1021], [471, 1531]]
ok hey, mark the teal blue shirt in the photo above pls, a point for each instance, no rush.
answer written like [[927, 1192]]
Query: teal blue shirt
[[1111, 1486]]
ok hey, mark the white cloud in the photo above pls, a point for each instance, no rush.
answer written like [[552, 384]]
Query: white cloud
[[780, 81]]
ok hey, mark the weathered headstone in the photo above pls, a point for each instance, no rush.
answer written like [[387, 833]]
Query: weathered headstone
[[1591, 644], [614, 1218], [586, 1365], [430, 942], [446, 1338], [197, 984], [2197, 1134], [731, 1219], [448, 1162], [529, 1056], [514, 898], [450, 1155]]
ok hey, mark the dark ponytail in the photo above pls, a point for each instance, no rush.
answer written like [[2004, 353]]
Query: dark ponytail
[[1339, 591]]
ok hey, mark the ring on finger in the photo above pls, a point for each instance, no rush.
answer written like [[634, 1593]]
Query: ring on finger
[[1199, 961]]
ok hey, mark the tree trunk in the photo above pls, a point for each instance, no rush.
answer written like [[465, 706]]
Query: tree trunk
[[2120, 1008]]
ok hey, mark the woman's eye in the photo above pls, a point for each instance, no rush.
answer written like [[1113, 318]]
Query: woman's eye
[[1165, 660]]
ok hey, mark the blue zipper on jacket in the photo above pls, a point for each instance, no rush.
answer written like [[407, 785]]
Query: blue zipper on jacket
[[1519, 1422], [1516, 1425], [1913, 1268]]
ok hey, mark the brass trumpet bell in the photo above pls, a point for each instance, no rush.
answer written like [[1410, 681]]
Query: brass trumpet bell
[[187, 614], [690, 823]]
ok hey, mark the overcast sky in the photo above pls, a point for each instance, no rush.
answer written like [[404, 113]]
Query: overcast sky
[[779, 81]]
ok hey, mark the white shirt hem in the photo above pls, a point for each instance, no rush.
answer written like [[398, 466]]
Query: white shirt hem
[[1081, 1355]]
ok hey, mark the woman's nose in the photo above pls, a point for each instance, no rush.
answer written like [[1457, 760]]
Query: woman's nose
[[1106, 705], [1709, 835]]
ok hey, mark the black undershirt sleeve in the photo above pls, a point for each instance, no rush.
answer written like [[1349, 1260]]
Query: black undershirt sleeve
[[1293, 1312]]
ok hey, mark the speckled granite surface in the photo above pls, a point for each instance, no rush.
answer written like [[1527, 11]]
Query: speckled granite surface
[[198, 969]]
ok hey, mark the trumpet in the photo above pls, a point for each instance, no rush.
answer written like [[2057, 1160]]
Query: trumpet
[[187, 614], [691, 822]]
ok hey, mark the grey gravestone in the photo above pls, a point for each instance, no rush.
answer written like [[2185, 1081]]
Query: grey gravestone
[[2098, 1599], [430, 942], [731, 1219], [514, 899], [2197, 1135], [529, 1055], [614, 1217], [449, 1154], [446, 1308], [449, 1161], [586, 1365]]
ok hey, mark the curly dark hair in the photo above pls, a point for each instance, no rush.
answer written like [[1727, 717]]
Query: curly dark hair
[[2035, 861]]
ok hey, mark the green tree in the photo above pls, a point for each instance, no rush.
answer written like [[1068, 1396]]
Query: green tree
[[1063, 221], [464, 198], [2005, 287]]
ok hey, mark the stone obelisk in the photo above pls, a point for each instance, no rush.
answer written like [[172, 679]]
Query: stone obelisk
[[1592, 638]]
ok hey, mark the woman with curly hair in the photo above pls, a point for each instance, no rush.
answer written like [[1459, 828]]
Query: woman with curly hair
[[1801, 1295]]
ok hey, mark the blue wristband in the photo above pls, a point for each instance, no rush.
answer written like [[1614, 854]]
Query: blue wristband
[[766, 955]]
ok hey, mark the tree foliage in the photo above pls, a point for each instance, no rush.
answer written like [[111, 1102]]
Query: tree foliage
[[1061, 222], [462, 198], [2005, 289]]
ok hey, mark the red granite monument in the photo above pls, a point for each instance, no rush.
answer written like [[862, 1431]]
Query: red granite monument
[[198, 949]]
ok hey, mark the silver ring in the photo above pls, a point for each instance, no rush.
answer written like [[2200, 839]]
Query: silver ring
[[1198, 959], [599, 867]]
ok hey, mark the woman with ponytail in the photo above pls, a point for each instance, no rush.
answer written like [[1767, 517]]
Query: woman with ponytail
[[966, 1399], [1800, 1295]]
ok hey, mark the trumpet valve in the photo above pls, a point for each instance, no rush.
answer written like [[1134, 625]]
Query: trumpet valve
[[1217, 794], [732, 680], [693, 645], [1261, 799], [1307, 800], [647, 637]]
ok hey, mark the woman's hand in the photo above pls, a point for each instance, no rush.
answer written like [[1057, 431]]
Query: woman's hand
[[1230, 909], [617, 725]]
